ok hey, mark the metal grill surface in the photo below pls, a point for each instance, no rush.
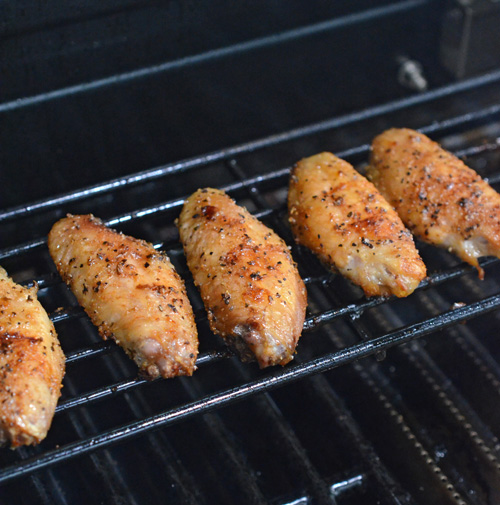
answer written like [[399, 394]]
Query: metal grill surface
[[387, 400]]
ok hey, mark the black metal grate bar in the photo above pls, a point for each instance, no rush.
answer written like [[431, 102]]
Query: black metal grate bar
[[311, 323], [394, 407], [475, 435], [285, 376], [375, 467], [318, 487], [221, 435], [263, 42], [309, 130], [278, 174], [161, 447], [121, 387]]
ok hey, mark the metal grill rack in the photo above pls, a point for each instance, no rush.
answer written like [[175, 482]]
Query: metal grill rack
[[342, 327]]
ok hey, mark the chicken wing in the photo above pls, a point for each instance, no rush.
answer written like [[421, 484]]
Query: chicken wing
[[441, 200], [31, 365], [249, 284], [130, 291], [345, 221]]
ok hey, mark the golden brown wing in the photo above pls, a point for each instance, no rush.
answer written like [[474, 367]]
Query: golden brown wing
[[250, 286], [440, 199], [345, 221], [130, 291], [31, 365]]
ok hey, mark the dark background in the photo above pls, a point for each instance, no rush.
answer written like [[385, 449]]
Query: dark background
[[75, 129]]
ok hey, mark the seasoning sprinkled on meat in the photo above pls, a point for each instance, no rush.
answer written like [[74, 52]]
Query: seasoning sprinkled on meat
[[440, 199], [253, 294], [345, 221], [130, 291], [31, 365]]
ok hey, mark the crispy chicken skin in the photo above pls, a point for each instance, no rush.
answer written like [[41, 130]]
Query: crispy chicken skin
[[130, 291], [31, 365], [250, 286], [345, 221], [441, 200]]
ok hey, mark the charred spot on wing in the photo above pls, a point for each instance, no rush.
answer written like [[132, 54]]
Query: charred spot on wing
[[6, 338], [237, 342], [209, 212]]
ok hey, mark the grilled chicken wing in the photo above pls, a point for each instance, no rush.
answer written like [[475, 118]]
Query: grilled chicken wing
[[345, 221], [130, 291], [249, 284], [440, 199], [31, 365]]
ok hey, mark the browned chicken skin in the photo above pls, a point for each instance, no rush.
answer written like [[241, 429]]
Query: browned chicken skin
[[130, 291], [345, 221], [440, 199], [249, 284], [31, 365]]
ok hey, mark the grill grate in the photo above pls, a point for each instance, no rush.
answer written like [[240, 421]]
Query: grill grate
[[265, 196], [249, 147]]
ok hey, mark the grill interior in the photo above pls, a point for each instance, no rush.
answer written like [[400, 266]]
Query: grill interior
[[412, 423]]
